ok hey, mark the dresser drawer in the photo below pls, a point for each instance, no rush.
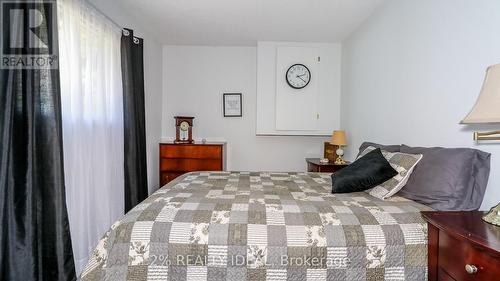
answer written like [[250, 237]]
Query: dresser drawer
[[166, 177], [454, 254], [191, 151], [178, 165], [177, 159]]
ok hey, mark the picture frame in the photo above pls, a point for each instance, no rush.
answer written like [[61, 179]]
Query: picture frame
[[330, 152], [232, 104]]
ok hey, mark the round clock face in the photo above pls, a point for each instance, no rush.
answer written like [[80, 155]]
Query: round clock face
[[184, 126], [298, 76]]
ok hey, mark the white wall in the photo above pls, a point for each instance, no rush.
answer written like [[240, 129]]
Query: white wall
[[195, 77], [152, 80], [414, 70]]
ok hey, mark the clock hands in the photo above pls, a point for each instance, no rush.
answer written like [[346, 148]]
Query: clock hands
[[301, 78]]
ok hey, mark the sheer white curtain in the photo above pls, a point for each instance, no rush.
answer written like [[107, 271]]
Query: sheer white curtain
[[91, 94]]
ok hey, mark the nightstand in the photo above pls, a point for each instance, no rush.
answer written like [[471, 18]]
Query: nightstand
[[313, 165], [462, 246]]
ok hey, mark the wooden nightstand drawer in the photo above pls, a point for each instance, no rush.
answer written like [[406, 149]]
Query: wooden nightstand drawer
[[455, 254], [462, 246], [443, 276]]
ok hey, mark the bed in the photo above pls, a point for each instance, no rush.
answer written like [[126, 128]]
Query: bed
[[263, 226]]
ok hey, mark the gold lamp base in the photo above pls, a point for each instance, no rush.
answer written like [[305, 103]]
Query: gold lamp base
[[340, 161], [493, 216], [340, 154]]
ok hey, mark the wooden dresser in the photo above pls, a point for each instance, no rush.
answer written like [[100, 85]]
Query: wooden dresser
[[462, 246], [178, 159]]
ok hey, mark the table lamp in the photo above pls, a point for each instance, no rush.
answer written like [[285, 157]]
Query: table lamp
[[486, 111], [339, 139]]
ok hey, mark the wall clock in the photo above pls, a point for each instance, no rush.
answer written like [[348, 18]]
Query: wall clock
[[183, 129], [298, 76]]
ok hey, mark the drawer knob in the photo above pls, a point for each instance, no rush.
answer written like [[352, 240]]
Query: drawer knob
[[470, 268]]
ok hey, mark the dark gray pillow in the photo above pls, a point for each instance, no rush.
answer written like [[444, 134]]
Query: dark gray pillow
[[448, 179], [389, 148]]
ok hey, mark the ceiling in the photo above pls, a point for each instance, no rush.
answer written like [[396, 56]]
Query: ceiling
[[244, 22]]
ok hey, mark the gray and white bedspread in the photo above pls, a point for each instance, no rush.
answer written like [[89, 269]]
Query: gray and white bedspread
[[263, 226]]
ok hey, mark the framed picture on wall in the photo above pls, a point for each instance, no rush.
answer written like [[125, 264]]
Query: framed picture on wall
[[232, 105]]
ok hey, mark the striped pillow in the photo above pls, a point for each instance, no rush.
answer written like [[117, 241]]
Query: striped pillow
[[403, 163]]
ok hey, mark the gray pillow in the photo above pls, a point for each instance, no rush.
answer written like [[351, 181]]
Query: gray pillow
[[389, 148], [448, 179]]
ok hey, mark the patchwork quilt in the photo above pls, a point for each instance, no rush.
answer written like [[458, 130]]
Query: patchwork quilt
[[263, 226]]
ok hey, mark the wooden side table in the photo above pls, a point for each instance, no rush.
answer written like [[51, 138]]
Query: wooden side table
[[462, 246], [313, 165]]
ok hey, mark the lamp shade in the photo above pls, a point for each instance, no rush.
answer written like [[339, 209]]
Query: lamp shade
[[487, 107], [338, 138]]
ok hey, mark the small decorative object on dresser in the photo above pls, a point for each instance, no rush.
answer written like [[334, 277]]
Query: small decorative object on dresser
[[178, 159], [493, 216], [232, 105], [315, 165], [462, 246], [324, 161], [339, 139], [183, 129]]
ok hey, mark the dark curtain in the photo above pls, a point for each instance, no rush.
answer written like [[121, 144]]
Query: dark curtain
[[35, 239], [136, 181]]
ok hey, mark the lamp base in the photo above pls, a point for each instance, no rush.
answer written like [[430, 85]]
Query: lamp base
[[340, 161], [340, 153], [493, 216]]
